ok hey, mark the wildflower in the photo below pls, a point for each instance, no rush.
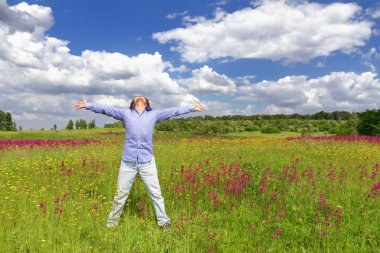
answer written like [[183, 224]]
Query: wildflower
[[62, 165], [214, 198], [43, 207], [95, 207], [276, 233], [274, 196], [143, 211], [65, 196], [375, 190], [322, 201], [374, 174], [58, 210], [84, 161], [251, 228], [213, 235], [324, 233]]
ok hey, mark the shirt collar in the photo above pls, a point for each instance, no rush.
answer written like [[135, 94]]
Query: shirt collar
[[134, 109]]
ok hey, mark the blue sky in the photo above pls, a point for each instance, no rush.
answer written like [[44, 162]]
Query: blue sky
[[235, 57]]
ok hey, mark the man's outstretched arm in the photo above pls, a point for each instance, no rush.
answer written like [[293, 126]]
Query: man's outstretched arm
[[116, 113], [164, 114]]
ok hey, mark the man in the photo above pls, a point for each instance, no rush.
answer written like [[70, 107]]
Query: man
[[138, 156]]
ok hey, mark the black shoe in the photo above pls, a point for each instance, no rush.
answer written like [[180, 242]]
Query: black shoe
[[164, 226]]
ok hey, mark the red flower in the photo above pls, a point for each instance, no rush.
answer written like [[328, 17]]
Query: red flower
[[276, 233], [58, 210], [95, 207], [65, 196], [43, 207]]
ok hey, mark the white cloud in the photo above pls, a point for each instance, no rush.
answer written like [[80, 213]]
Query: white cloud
[[27, 116], [376, 14], [206, 80], [336, 91], [219, 3], [244, 80], [273, 109], [25, 17], [373, 12], [181, 69], [320, 64], [370, 57], [293, 31], [176, 14], [41, 80], [216, 108], [248, 110]]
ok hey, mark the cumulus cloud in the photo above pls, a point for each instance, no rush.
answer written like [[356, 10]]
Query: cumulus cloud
[[25, 17], [41, 80], [205, 80], [336, 91], [290, 31]]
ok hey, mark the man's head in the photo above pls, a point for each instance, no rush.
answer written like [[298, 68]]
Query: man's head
[[140, 100]]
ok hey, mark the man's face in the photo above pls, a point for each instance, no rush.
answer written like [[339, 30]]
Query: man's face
[[141, 98]]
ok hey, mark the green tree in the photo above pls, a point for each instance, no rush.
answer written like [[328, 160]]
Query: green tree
[[117, 124], [6, 123], [81, 124], [321, 115], [70, 125], [91, 124], [369, 122], [270, 130]]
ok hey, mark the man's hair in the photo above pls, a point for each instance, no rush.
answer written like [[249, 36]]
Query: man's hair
[[147, 104]]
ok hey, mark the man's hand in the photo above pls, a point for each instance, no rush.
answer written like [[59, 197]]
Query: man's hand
[[198, 107], [82, 104]]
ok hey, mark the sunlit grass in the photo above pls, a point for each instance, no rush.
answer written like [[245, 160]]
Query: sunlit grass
[[224, 193]]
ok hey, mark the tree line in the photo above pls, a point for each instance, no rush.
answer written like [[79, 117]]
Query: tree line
[[80, 124], [337, 123]]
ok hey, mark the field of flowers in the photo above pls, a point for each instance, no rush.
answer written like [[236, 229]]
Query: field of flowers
[[222, 193]]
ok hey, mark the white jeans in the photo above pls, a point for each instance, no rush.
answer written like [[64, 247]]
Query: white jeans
[[127, 174]]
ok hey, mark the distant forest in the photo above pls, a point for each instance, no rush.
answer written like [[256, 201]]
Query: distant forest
[[337, 123]]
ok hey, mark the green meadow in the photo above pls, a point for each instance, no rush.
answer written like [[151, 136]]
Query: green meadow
[[245, 192]]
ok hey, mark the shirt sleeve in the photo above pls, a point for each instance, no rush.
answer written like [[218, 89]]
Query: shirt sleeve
[[164, 114], [116, 113]]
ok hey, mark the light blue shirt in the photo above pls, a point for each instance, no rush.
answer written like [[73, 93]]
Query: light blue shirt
[[139, 127]]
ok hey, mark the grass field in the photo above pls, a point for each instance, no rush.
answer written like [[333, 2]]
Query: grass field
[[242, 192]]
